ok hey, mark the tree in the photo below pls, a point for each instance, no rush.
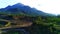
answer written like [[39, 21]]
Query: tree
[[38, 20]]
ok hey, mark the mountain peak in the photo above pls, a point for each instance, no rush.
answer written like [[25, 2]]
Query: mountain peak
[[19, 4]]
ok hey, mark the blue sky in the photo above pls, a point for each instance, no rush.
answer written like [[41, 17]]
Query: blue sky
[[48, 6], [4, 3]]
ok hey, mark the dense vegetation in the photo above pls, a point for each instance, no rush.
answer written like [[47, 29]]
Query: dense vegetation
[[41, 25]]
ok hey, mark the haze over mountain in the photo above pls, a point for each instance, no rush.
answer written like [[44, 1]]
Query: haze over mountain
[[21, 8]]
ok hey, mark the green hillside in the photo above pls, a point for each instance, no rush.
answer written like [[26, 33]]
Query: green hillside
[[41, 24]]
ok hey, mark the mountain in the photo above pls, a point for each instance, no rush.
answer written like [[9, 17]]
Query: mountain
[[21, 8]]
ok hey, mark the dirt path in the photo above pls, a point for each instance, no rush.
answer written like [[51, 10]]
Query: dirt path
[[18, 24]]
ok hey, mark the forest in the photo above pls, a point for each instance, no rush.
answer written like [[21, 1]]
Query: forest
[[40, 24]]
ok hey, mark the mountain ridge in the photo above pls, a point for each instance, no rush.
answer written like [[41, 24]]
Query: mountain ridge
[[21, 8]]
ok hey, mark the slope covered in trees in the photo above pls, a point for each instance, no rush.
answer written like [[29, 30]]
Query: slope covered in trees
[[41, 24]]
